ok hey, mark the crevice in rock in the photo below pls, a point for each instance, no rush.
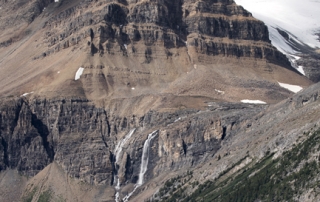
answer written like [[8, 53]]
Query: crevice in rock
[[17, 115], [93, 49], [224, 132], [128, 168], [104, 140], [5, 152], [184, 146], [105, 132], [114, 169], [148, 55], [44, 132], [109, 127]]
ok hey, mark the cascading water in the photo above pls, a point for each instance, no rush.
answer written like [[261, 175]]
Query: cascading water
[[120, 144], [118, 151], [145, 157], [144, 164]]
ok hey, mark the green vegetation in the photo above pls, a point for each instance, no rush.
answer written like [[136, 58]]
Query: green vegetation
[[60, 199], [280, 179], [45, 196], [174, 188], [30, 195]]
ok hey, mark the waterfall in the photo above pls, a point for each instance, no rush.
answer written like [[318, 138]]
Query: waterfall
[[118, 151], [117, 196], [120, 144], [144, 163], [145, 157]]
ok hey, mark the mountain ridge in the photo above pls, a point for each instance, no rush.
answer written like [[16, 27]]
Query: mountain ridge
[[112, 100], [152, 51]]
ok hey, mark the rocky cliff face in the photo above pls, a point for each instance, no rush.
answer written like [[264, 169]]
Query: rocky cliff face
[[151, 102], [82, 139], [149, 46]]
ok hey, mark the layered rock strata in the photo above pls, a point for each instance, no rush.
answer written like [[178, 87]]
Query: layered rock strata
[[153, 45]]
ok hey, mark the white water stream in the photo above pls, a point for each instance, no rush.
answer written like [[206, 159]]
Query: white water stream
[[144, 163], [145, 157], [118, 151], [120, 144]]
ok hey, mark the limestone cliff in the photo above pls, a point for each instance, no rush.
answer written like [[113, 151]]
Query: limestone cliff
[[159, 96], [134, 48]]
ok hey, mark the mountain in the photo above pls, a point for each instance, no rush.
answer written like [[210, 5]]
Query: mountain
[[136, 100], [294, 29], [135, 48]]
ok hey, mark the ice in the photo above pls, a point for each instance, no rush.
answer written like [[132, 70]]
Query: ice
[[79, 73], [290, 87], [279, 42], [253, 101], [300, 69], [300, 18], [293, 59]]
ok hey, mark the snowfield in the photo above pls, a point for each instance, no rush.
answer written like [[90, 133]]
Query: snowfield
[[292, 88], [300, 19], [253, 101], [79, 73]]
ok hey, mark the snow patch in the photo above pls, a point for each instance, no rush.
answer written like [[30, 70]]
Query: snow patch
[[79, 73], [133, 88], [219, 91], [25, 94], [253, 101], [178, 119], [290, 87], [301, 70], [58, 72], [56, 0], [126, 46], [293, 59]]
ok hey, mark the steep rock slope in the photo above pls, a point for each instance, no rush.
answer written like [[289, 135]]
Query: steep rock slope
[[293, 28], [131, 48], [150, 101], [80, 142], [276, 156]]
